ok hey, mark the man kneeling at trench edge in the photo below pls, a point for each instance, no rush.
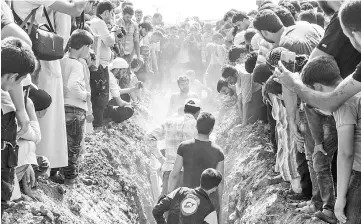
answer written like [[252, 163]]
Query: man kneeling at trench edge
[[190, 206]]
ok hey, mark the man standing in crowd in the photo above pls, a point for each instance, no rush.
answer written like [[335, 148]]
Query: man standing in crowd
[[138, 16], [174, 131], [130, 43], [323, 74], [99, 79], [105, 13], [190, 205], [177, 99], [195, 156]]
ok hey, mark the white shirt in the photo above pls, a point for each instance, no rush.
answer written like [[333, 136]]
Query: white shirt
[[6, 102], [114, 88], [75, 93], [99, 27]]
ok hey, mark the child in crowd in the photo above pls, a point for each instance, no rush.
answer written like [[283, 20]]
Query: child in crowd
[[14, 52], [190, 205], [76, 98], [323, 74], [224, 88]]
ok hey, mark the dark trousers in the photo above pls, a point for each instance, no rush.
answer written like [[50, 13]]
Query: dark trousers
[[9, 156], [99, 103], [320, 164], [353, 201], [272, 124], [99, 84], [301, 158], [75, 120], [119, 114], [257, 110]]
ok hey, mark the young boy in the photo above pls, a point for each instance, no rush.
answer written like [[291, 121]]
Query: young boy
[[76, 98], [17, 61], [190, 205], [224, 88], [323, 74]]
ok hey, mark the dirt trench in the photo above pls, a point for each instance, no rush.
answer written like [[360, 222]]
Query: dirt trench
[[248, 198], [114, 185]]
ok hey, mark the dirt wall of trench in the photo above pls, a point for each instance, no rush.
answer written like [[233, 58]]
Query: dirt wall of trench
[[114, 185], [248, 198]]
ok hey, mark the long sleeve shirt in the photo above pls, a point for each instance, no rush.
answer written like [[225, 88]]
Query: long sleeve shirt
[[74, 81]]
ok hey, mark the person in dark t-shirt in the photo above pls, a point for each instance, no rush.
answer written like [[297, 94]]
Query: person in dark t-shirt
[[336, 44], [195, 156], [190, 206]]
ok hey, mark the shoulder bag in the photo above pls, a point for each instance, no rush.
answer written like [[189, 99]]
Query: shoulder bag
[[47, 45]]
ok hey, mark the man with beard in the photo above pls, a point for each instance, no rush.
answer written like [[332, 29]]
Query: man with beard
[[177, 99], [130, 43]]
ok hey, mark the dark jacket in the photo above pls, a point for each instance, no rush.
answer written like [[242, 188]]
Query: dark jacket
[[186, 206]]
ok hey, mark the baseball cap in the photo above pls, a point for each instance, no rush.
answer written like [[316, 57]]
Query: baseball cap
[[118, 63], [193, 102], [40, 98]]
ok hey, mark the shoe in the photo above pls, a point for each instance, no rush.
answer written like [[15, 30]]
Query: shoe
[[57, 178], [70, 182], [322, 216]]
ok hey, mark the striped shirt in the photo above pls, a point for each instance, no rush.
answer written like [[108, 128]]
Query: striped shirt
[[174, 131]]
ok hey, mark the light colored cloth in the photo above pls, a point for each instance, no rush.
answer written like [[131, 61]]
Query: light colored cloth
[[26, 156], [62, 25], [177, 101], [286, 154], [27, 144], [255, 42], [75, 92], [53, 144], [174, 131], [350, 114], [87, 85], [100, 28], [6, 102], [246, 84], [20, 172], [114, 88], [132, 35]]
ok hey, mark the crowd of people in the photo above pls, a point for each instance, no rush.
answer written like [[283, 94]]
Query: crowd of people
[[294, 66]]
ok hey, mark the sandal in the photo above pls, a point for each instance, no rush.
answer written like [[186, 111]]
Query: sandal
[[310, 209], [300, 204]]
